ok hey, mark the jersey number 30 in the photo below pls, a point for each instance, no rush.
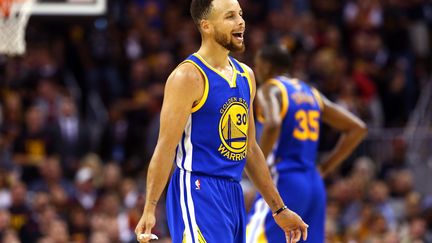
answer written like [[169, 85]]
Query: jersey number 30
[[308, 125]]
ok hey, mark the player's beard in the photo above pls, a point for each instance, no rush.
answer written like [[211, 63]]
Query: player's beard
[[228, 42]]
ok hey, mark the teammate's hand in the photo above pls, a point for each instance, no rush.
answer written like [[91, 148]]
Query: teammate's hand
[[144, 226], [292, 225]]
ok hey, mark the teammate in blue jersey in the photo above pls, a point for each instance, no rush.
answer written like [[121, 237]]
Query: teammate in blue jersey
[[207, 128], [291, 113]]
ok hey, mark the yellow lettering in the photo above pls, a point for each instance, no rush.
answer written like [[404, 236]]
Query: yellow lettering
[[230, 155], [222, 149]]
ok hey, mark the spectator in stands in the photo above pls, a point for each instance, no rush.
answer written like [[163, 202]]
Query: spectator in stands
[[5, 194], [118, 137], [111, 179], [397, 160], [379, 197], [58, 231], [85, 194], [33, 145], [49, 99], [72, 140], [10, 127], [10, 236], [21, 215], [4, 222], [53, 183], [79, 225]]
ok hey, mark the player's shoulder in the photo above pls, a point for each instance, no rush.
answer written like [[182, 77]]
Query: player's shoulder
[[186, 78], [186, 70], [186, 73]]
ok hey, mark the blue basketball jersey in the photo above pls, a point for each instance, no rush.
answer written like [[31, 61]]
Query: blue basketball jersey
[[293, 165], [214, 141], [301, 112]]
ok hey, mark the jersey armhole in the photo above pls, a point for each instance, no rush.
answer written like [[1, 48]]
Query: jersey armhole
[[318, 98], [203, 99], [284, 96]]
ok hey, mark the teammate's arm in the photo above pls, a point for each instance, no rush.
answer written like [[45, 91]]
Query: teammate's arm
[[353, 131], [269, 102], [258, 173], [183, 88]]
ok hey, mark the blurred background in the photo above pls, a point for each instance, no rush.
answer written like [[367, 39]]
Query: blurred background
[[79, 113]]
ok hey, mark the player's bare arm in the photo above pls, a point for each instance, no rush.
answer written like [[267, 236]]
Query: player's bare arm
[[353, 131], [258, 173], [183, 89], [270, 105]]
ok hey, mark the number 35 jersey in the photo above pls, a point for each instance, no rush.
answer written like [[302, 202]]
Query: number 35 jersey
[[214, 141], [301, 113]]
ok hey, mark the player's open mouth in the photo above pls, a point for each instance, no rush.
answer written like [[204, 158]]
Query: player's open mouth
[[238, 35]]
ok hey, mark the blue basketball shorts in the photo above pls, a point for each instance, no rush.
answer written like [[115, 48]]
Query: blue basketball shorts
[[202, 208], [303, 192]]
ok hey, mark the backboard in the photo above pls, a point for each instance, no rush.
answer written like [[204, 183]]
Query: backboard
[[69, 7]]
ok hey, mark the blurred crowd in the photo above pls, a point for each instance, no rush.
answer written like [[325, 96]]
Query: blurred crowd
[[79, 112]]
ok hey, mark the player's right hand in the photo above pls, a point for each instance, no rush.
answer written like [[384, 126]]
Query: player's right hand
[[144, 226], [292, 225]]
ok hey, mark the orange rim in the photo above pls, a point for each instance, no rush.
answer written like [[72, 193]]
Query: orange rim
[[5, 7]]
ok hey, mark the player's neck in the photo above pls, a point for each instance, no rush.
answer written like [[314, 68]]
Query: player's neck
[[214, 54]]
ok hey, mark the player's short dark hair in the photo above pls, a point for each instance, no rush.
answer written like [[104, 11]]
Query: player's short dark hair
[[199, 10], [277, 55]]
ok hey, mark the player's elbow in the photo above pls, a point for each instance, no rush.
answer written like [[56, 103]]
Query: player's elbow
[[361, 129]]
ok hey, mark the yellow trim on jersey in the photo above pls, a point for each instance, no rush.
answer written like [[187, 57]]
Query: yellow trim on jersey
[[233, 82], [201, 238], [206, 87], [284, 94], [246, 73], [260, 117], [262, 238], [318, 97]]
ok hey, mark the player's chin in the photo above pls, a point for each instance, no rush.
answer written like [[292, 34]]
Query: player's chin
[[238, 48]]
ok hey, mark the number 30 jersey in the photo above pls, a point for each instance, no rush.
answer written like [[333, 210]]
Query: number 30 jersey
[[301, 113], [214, 141]]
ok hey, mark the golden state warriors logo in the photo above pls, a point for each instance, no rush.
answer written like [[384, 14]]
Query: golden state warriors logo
[[233, 128]]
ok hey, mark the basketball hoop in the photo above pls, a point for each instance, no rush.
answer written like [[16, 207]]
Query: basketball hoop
[[14, 15]]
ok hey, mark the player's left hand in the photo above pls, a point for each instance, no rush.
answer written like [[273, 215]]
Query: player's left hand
[[144, 227], [292, 225]]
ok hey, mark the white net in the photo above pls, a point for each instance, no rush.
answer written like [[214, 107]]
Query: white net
[[12, 28]]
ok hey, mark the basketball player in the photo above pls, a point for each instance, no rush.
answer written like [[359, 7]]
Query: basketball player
[[291, 115], [207, 128]]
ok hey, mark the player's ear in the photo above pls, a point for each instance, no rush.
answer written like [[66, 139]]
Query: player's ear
[[205, 26]]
